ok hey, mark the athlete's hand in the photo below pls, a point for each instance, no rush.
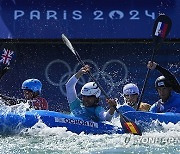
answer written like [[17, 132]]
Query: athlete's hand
[[151, 65], [82, 71], [111, 102], [112, 105]]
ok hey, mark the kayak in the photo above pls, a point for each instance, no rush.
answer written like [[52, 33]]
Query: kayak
[[13, 123], [148, 117], [145, 120]]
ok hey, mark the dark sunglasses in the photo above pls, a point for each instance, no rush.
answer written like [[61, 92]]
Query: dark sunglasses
[[131, 95]]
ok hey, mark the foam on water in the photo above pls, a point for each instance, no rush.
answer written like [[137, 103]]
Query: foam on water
[[19, 108], [42, 139]]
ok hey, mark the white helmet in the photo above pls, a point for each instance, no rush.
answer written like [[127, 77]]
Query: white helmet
[[90, 89], [130, 89]]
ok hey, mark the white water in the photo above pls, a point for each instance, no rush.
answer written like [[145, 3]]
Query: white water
[[42, 139], [57, 140]]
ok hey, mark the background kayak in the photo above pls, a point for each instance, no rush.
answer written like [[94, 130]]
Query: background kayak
[[150, 117]]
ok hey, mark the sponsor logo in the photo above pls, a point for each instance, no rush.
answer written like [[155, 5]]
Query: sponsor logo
[[77, 122]]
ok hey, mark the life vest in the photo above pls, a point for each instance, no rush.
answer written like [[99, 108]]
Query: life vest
[[40, 103]]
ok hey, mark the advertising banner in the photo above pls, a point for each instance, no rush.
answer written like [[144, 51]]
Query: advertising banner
[[85, 19]]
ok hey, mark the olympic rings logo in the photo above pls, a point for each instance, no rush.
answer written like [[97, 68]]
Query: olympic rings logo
[[106, 74]]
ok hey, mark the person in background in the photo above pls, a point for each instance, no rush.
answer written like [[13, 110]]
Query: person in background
[[31, 87], [131, 95], [32, 90], [88, 108], [166, 86], [168, 75]]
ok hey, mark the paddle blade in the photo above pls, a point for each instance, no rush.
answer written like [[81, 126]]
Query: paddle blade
[[68, 43], [129, 126], [161, 28]]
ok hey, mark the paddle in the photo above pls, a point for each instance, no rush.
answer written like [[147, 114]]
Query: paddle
[[161, 28], [128, 125]]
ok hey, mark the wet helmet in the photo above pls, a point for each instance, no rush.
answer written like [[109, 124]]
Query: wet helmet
[[130, 89], [162, 82], [90, 89], [32, 84]]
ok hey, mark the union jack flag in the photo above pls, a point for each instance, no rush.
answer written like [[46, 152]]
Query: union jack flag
[[6, 56]]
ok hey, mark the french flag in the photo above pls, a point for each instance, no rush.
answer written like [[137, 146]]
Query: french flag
[[161, 29]]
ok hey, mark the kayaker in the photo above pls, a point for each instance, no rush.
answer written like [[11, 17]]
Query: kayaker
[[168, 75], [31, 87], [32, 90], [166, 86], [88, 108], [131, 95]]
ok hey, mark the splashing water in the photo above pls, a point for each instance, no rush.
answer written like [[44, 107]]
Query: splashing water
[[16, 109], [41, 139]]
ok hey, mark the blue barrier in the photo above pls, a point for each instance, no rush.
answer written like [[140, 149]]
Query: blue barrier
[[113, 64], [85, 19]]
